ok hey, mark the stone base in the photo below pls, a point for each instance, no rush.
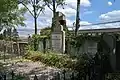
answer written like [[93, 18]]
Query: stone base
[[58, 41]]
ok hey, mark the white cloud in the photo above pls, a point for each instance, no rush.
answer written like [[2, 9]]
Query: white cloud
[[88, 12], [69, 12], [20, 6], [85, 3], [110, 3], [106, 17], [87, 25], [110, 16], [73, 3], [90, 26], [45, 19], [84, 23]]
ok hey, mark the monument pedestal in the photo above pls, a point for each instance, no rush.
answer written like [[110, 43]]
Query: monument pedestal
[[58, 41], [58, 34]]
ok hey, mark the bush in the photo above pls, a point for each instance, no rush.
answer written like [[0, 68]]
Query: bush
[[51, 59], [56, 60]]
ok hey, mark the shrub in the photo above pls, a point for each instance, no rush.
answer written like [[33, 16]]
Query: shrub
[[57, 60], [51, 59]]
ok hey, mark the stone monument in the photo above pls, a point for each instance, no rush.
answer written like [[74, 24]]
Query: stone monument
[[110, 41], [58, 34]]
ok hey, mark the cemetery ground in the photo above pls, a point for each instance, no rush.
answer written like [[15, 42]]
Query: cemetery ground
[[44, 65], [26, 68]]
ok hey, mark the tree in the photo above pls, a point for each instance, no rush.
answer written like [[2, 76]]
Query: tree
[[10, 14], [54, 4], [37, 9], [45, 32], [6, 5], [15, 35]]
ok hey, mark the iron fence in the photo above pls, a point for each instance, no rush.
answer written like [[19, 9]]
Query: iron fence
[[11, 76], [64, 75], [92, 73]]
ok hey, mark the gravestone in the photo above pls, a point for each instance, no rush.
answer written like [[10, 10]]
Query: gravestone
[[58, 34], [89, 46], [110, 41]]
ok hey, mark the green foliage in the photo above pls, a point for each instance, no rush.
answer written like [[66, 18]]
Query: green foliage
[[10, 14], [10, 34], [112, 76], [46, 32], [39, 37], [6, 5], [30, 46], [12, 18], [58, 60], [51, 59], [36, 39], [19, 77], [1, 37], [79, 40]]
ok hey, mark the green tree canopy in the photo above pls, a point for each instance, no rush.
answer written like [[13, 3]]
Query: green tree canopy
[[7, 5], [10, 14], [45, 32]]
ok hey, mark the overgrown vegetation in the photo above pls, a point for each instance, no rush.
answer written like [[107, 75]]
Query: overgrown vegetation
[[79, 40], [38, 38], [58, 60], [10, 14]]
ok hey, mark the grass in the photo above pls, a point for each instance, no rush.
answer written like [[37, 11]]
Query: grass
[[56, 60], [51, 59]]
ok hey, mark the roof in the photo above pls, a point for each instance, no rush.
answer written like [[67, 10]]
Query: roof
[[104, 30]]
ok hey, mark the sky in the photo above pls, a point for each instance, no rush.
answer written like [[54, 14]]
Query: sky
[[91, 11]]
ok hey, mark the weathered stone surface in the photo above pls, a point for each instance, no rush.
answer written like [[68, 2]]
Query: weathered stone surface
[[58, 35]]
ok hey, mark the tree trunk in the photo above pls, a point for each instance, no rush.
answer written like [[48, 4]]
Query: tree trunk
[[35, 17], [54, 12], [35, 25], [77, 17], [35, 22]]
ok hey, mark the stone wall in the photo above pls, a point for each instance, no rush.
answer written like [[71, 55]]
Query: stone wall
[[10, 47], [87, 47]]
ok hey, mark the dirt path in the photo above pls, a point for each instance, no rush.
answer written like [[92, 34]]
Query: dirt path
[[31, 68]]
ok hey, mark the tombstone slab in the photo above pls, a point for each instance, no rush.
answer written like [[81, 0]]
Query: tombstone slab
[[111, 42]]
